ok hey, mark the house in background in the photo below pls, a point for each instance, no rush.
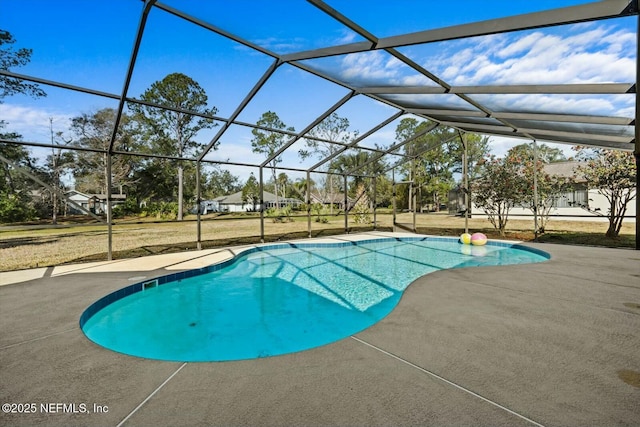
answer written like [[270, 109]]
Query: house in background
[[337, 199], [578, 203], [234, 203], [94, 203], [208, 206]]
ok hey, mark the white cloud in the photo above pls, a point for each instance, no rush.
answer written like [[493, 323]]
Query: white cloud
[[235, 152], [281, 45], [619, 41], [582, 54], [347, 36], [417, 80], [500, 145], [521, 45], [370, 66], [33, 123], [608, 105], [591, 53]]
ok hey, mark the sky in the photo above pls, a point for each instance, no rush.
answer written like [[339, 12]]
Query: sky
[[89, 43]]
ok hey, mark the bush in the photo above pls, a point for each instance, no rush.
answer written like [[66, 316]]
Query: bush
[[129, 207], [161, 210], [14, 209], [280, 215]]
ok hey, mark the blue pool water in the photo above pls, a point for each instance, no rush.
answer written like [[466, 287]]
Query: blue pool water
[[277, 299]]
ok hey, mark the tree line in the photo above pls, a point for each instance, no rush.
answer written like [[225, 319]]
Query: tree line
[[157, 177]]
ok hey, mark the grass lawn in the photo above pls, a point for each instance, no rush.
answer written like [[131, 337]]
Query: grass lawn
[[34, 245]]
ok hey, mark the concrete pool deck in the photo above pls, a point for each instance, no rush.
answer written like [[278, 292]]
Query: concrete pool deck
[[552, 343]]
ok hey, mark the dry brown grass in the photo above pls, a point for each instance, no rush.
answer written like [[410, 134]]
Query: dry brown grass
[[29, 247]]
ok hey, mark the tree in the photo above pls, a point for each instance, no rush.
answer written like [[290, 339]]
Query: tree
[[348, 162], [14, 198], [361, 207], [251, 191], [498, 190], [170, 132], [384, 191], [477, 151], [431, 171], [613, 173], [219, 183], [407, 129], [10, 58], [57, 163], [544, 153], [333, 129], [18, 155], [283, 184], [15, 202], [154, 180], [549, 187], [94, 130], [299, 187], [268, 142], [362, 162]]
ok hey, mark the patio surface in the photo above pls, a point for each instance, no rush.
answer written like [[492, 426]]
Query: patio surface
[[553, 343]]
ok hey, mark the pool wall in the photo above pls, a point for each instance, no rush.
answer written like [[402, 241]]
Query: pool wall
[[169, 278]]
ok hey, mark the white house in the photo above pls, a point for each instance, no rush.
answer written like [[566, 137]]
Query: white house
[[95, 203], [578, 204], [234, 203], [337, 199]]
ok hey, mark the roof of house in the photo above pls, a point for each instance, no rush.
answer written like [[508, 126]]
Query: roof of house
[[330, 198], [71, 193], [113, 196], [236, 198], [102, 197], [566, 169]]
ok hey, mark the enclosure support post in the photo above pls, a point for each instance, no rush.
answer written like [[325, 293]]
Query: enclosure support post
[[109, 211], [465, 184], [309, 203], [346, 206], [375, 203], [535, 191], [413, 193], [637, 156], [636, 151], [261, 206], [393, 195], [198, 204], [410, 195]]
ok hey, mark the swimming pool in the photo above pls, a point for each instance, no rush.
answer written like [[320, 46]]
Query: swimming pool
[[277, 299]]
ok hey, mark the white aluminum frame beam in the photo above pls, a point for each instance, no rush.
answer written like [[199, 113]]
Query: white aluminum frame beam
[[591, 88], [525, 132], [548, 18], [439, 115]]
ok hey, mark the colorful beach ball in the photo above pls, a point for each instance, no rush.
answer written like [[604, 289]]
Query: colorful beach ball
[[465, 238], [478, 239]]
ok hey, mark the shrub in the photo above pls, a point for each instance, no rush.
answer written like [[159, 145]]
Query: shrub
[[14, 209], [280, 215], [161, 210], [129, 207]]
